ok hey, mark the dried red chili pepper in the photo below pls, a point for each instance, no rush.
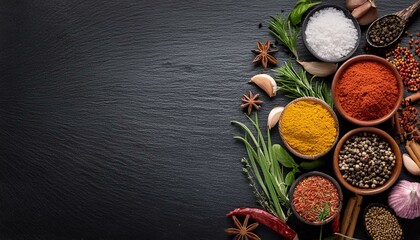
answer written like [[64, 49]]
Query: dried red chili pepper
[[268, 220]]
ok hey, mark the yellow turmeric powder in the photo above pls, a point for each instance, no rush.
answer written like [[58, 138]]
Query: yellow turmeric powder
[[308, 127]]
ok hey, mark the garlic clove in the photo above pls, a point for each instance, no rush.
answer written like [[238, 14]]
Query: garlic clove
[[369, 16], [319, 69], [410, 165], [361, 10], [352, 4], [274, 116], [266, 83]]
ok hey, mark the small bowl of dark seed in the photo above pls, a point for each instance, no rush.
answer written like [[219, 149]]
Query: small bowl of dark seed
[[385, 31], [367, 161], [381, 223]]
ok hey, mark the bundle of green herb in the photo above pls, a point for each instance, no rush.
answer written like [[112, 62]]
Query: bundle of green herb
[[296, 84], [265, 168]]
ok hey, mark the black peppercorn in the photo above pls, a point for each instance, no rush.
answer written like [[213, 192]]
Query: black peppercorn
[[385, 30], [365, 166]]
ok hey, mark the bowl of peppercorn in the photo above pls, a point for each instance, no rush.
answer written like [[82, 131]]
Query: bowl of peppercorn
[[385, 31], [367, 161], [367, 90]]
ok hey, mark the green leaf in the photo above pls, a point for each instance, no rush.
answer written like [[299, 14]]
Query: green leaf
[[290, 177], [299, 10], [309, 165], [280, 154]]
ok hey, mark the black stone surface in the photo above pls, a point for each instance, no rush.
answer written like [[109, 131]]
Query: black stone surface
[[115, 117]]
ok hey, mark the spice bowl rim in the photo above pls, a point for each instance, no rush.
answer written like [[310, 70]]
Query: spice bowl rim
[[336, 125], [389, 44], [387, 208], [336, 79], [396, 170], [347, 14], [332, 180]]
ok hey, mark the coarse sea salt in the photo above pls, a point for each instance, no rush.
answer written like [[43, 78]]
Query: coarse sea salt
[[331, 34]]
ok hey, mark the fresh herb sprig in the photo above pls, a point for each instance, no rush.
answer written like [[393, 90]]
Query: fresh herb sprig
[[281, 28], [264, 169], [296, 84], [325, 212]]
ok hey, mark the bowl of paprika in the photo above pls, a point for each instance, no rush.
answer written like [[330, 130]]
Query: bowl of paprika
[[367, 90]]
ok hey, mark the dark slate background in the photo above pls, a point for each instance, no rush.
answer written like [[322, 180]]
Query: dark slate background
[[115, 117]]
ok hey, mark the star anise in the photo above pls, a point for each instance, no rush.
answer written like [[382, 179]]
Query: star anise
[[251, 101], [243, 231], [264, 54]]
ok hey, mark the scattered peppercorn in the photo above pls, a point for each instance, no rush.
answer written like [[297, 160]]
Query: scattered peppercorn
[[381, 224], [407, 66], [385, 30], [366, 160]]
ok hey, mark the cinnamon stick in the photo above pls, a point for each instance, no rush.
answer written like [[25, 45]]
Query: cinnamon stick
[[354, 216], [415, 147], [413, 97], [398, 128], [346, 216]]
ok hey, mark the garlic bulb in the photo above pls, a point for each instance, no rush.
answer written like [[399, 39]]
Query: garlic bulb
[[404, 198]]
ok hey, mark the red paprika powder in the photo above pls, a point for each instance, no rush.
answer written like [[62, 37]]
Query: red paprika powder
[[367, 90]]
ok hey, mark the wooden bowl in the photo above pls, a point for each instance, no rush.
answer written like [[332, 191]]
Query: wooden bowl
[[310, 174], [333, 115], [337, 103], [396, 170]]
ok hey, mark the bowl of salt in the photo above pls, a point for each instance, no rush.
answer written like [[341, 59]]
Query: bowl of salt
[[331, 33]]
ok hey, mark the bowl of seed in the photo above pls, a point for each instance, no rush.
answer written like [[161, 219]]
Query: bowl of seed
[[308, 127], [367, 161], [316, 198], [367, 90], [331, 33], [381, 223]]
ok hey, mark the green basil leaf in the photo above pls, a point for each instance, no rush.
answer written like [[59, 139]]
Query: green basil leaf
[[290, 177], [295, 16], [312, 164], [280, 154]]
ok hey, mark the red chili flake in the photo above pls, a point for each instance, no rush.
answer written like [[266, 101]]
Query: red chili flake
[[311, 196]]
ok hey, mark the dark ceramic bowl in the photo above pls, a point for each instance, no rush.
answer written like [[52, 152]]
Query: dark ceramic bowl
[[333, 115], [369, 41], [386, 208], [335, 93], [347, 14], [311, 174], [396, 170]]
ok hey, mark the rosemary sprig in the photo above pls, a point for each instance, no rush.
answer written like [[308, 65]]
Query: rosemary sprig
[[296, 84], [281, 28]]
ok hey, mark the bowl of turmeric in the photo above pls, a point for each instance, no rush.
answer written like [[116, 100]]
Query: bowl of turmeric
[[308, 127], [367, 90]]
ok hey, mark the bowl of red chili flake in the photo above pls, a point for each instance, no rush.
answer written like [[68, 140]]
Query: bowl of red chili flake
[[367, 90], [316, 198]]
